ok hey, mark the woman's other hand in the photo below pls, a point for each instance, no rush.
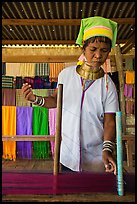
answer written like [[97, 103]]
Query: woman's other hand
[[27, 92]]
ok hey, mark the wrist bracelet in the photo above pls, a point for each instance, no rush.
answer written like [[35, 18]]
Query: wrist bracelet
[[108, 145], [43, 102], [39, 101], [36, 100], [107, 149]]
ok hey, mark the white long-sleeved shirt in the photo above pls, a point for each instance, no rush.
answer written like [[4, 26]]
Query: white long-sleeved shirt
[[82, 119]]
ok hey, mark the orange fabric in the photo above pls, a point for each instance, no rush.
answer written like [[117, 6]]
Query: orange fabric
[[130, 77], [9, 128], [55, 69]]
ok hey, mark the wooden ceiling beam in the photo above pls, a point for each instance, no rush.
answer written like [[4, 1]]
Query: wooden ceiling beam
[[63, 22], [50, 42], [128, 45]]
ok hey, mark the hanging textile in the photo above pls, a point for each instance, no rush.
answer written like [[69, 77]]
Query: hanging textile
[[128, 90], [8, 97], [52, 126], [42, 69], [20, 100], [27, 69], [128, 64], [7, 81], [24, 127], [130, 106], [47, 83], [13, 69], [19, 82], [53, 85], [130, 77], [9, 128], [29, 80], [3, 68], [41, 149], [38, 82], [55, 69]]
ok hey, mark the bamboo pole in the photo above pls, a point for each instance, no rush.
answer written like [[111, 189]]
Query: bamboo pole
[[119, 64], [120, 186], [58, 129]]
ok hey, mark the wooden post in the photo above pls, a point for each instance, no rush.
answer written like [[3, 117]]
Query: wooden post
[[119, 65], [58, 129]]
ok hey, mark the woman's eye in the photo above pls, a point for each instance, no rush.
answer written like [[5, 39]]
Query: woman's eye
[[105, 50], [93, 49]]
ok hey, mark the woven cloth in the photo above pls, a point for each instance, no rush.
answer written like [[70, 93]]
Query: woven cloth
[[24, 127], [20, 100], [8, 97], [52, 126], [41, 150], [42, 69], [7, 81], [9, 128]]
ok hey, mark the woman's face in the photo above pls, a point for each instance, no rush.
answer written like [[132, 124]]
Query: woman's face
[[96, 53]]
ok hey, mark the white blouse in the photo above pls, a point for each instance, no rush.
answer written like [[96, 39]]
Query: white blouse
[[82, 119]]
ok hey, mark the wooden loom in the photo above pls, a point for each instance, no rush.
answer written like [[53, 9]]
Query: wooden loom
[[40, 183]]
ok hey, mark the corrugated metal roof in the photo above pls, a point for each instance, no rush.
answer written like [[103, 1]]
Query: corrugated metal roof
[[59, 22]]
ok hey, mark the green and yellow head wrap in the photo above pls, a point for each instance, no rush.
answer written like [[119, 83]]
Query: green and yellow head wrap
[[97, 26]]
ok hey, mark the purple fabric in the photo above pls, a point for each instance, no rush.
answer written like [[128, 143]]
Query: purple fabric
[[24, 127], [67, 183], [128, 90]]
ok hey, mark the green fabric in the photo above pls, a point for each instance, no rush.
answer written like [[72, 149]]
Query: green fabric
[[41, 149], [87, 23]]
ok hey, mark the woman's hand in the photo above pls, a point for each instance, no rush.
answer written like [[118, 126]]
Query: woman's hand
[[27, 92], [109, 161]]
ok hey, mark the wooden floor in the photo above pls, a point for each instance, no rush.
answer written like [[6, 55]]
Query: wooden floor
[[26, 165], [39, 165], [94, 197]]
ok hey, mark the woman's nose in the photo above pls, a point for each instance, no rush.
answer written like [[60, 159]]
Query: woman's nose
[[98, 54]]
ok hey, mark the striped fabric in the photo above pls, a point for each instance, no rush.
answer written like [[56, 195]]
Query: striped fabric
[[7, 81], [98, 31], [42, 69], [13, 69], [9, 128], [8, 97], [55, 69], [20, 100], [27, 69]]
